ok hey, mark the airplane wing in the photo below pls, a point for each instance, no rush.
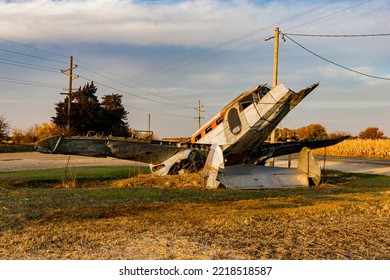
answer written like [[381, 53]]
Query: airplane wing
[[268, 150], [152, 152]]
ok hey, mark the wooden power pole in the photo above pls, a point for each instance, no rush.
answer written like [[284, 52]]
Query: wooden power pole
[[69, 73], [199, 109], [149, 123], [275, 80]]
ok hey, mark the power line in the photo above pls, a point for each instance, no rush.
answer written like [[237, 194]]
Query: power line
[[330, 15], [28, 65], [31, 47], [338, 36], [189, 59], [26, 82], [334, 63], [347, 19], [133, 87], [30, 55], [126, 92]]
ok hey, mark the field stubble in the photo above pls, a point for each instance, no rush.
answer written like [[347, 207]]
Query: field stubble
[[173, 218]]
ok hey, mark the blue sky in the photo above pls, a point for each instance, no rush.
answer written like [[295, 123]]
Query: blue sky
[[164, 56]]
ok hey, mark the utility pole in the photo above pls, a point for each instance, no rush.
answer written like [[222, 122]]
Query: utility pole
[[148, 122], [199, 109], [69, 73], [275, 80]]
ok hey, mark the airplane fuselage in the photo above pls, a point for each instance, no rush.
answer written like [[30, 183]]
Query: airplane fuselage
[[247, 121]]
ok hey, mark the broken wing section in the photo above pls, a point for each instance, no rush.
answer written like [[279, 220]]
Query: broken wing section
[[147, 152], [267, 150]]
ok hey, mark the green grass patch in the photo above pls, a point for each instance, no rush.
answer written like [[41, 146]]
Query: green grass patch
[[48, 177], [16, 148]]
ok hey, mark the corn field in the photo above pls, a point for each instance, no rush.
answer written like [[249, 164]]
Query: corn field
[[379, 148]]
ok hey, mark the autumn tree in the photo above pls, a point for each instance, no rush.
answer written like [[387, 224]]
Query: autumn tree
[[371, 133], [312, 131], [285, 134], [46, 130]]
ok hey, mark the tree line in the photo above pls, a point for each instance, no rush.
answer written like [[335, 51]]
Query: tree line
[[317, 131]]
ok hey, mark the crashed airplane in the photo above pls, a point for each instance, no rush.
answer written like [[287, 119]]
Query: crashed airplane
[[231, 148]]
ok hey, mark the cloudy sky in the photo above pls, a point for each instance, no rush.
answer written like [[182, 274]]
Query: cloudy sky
[[164, 56]]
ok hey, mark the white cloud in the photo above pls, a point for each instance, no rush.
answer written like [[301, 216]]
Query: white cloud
[[182, 23]]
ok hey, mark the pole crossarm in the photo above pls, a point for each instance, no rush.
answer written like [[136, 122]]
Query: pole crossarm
[[199, 109], [69, 73]]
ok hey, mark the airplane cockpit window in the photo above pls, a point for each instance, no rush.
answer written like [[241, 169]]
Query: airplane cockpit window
[[234, 121], [263, 91], [246, 101]]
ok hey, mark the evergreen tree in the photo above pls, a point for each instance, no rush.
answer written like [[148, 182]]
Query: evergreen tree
[[114, 115], [88, 114]]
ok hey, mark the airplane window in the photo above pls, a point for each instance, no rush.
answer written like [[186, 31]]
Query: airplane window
[[197, 137], [208, 129], [263, 91], [234, 121], [219, 120], [246, 101]]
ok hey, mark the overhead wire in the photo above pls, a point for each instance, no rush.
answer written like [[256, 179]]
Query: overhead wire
[[26, 82], [125, 92], [194, 57], [133, 87], [338, 35], [28, 65], [335, 63], [32, 47], [30, 55], [350, 18], [329, 15]]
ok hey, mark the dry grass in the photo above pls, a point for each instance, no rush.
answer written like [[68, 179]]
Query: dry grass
[[174, 220], [187, 181], [379, 148]]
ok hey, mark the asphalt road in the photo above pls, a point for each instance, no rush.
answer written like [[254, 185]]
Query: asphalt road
[[35, 160]]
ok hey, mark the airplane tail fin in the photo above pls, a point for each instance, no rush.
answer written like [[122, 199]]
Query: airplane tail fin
[[309, 165], [213, 162]]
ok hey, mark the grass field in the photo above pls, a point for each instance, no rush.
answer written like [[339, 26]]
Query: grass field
[[110, 216]]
